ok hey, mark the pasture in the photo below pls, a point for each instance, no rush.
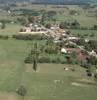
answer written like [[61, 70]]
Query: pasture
[[50, 82], [10, 29], [90, 34]]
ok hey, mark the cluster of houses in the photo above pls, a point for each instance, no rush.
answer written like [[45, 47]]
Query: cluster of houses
[[61, 36], [33, 29], [70, 43]]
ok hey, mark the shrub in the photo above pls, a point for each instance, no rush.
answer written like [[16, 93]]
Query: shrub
[[28, 59], [44, 59], [50, 50], [21, 91], [4, 37], [95, 76], [89, 74], [27, 37]]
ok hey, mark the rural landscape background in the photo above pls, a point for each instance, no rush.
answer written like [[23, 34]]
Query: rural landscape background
[[48, 50]]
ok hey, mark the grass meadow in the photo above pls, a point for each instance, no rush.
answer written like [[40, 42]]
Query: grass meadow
[[50, 82], [10, 29]]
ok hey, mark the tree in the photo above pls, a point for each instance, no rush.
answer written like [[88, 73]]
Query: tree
[[62, 25], [68, 32], [73, 12], [43, 18], [54, 20], [95, 77], [74, 54], [68, 58], [22, 20], [95, 27], [31, 19], [75, 24], [35, 55], [22, 91], [34, 64], [86, 63], [51, 13], [48, 26], [3, 25], [93, 60]]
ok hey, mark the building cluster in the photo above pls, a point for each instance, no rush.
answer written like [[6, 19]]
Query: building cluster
[[67, 41], [33, 29]]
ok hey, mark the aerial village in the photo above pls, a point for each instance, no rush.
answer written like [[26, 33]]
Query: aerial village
[[68, 42], [48, 51]]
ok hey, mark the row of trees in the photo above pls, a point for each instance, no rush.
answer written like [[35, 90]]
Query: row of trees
[[70, 25], [76, 25], [28, 37]]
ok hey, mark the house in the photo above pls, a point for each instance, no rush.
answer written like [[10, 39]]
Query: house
[[80, 55], [93, 53], [73, 38], [70, 43], [86, 40], [61, 30], [63, 50], [28, 29], [70, 50]]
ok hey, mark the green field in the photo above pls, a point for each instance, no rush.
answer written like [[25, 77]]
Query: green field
[[10, 29], [50, 82], [85, 33]]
